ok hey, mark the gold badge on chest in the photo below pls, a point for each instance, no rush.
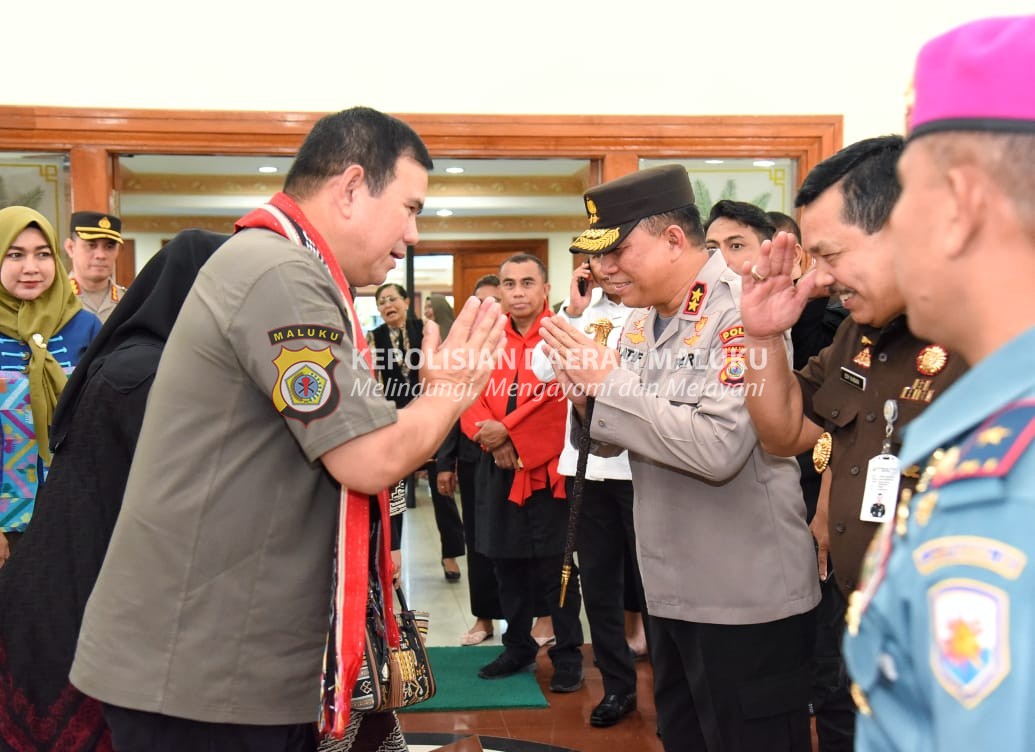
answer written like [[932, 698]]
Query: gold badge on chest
[[932, 360]]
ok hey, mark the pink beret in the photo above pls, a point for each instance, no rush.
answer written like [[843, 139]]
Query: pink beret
[[976, 78]]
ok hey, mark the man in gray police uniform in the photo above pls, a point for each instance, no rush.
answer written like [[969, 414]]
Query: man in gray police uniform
[[93, 245], [207, 626], [726, 558]]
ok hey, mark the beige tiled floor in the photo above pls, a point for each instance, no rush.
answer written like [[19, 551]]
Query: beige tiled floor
[[563, 725], [426, 587]]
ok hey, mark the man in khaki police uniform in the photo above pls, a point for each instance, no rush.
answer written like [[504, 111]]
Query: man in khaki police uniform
[[209, 620], [837, 402], [725, 555], [93, 246]]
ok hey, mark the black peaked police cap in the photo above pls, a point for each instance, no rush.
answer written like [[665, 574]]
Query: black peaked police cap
[[616, 207]]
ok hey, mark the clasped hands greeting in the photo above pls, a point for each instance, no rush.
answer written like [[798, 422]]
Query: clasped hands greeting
[[460, 366], [580, 363]]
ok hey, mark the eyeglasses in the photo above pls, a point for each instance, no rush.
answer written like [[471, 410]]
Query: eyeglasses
[[385, 301]]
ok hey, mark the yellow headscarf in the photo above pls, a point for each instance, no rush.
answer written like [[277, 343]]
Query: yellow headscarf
[[34, 322]]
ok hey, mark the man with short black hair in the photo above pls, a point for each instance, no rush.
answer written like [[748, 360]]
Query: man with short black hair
[[738, 229], [256, 497], [520, 509], [850, 402]]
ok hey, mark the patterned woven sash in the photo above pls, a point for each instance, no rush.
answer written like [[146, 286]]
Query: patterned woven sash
[[343, 653]]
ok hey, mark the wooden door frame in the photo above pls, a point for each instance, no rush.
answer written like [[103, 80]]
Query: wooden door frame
[[95, 137], [538, 247]]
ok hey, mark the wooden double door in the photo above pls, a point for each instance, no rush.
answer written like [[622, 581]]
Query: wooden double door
[[473, 259]]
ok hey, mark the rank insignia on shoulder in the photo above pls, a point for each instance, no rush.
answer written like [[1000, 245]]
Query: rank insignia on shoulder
[[992, 450], [305, 388], [969, 639], [931, 360], [695, 299]]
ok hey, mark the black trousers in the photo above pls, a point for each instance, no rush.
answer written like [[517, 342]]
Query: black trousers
[[481, 576], [606, 543], [447, 518], [139, 731], [732, 688], [521, 581], [831, 696]]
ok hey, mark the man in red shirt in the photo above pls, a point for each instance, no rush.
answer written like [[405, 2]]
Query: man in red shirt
[[521, 514]]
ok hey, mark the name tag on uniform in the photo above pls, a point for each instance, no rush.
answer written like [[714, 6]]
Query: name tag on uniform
[[881, 489], [853, 378]]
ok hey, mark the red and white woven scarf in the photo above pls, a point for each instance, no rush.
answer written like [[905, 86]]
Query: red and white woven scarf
[[343, 654]]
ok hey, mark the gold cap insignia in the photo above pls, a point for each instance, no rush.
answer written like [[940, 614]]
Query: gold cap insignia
[[591, 210], [822, 451], [931, 360], [594, 241], [104, 223]]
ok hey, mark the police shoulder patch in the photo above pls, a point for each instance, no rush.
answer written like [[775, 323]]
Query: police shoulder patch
[[993, 449], [305, 331], [305, 388], [734, 332], [733, 368], [969, 638]]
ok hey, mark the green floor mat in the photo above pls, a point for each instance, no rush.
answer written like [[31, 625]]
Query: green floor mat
[[459, 688]]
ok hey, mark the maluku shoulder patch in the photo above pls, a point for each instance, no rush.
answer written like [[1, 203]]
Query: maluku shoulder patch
[[305, 388], [305, 331]]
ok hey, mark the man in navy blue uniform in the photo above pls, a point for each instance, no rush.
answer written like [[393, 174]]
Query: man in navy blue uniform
[[939, 631]]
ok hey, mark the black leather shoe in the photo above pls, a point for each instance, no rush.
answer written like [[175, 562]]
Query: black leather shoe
[[612, 709], [506, 664], [451, 575], [566, 679]]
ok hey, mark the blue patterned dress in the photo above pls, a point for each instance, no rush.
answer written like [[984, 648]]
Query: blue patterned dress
[[21, 468]]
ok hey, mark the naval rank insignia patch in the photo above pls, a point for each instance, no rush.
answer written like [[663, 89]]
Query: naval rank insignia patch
[[305, 388]]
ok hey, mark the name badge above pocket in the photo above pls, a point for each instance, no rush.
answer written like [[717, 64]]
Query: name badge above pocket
[[853, 378]]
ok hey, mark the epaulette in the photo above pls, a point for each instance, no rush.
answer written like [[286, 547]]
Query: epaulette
[[994, 447]]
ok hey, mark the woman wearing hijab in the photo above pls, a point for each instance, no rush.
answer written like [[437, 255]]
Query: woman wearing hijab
[[45, 585], [43, 332]]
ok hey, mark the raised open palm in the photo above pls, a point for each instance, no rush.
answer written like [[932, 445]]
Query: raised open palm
[[770, 302]]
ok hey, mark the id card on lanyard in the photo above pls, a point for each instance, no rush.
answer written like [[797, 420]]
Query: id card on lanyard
[[883, 474]]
